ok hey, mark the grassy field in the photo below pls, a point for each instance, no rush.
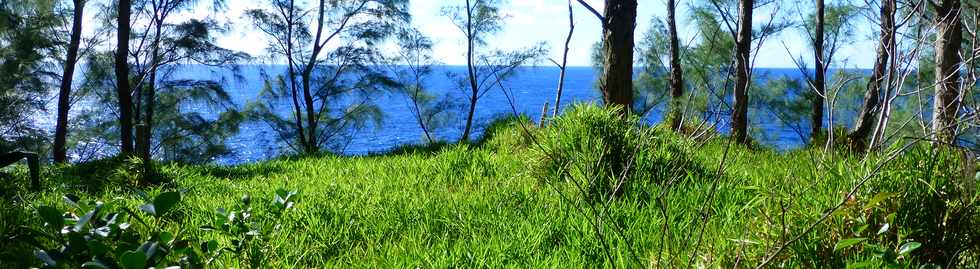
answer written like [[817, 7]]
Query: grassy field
[[527, 197]]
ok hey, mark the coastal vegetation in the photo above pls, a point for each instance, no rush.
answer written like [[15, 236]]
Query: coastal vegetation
[[665, 169], [503, 202]]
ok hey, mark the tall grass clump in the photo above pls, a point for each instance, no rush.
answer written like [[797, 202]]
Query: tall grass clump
[[921, 200], [605, 154], [591, 146]]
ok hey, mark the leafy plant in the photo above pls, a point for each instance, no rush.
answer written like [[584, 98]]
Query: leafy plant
[[90, 235], [248, 232], [93, 235]]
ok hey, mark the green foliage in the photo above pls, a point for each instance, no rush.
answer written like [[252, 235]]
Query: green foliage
[[27, 44], [484, 17], [328, 90], [178, 134], [604, 154], [487, 68], [650, 87], [431, 112], [939, 211], [96, 235], [591, 146], [490, 205]]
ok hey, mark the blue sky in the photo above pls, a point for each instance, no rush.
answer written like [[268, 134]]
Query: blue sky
[[533, 21]]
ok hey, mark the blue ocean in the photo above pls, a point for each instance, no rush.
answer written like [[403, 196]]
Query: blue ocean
[[531, 88]]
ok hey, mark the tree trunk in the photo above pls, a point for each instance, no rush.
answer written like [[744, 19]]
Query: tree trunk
[[949, 40], [676, 70], [743, 51], [311, 115], [564, 60], [819, 76], [291, 76], [307, 77], [145, 137], [64, 94], [418, 110], [616, 82], [471, 72], [123, 90], [872, 97]]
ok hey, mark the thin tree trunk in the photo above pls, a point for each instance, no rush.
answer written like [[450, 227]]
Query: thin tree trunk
[[311, 115], [819, 76], [616, 82], [564, 60], [949, 41], [474, 88], [144, 142], [64, 94], [676, 70], [123, 89], [878, 137], [872, 97], [291, 73], [307, 76], [418, 109], [743, 50]]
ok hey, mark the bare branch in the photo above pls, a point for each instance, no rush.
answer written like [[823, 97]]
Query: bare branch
[[593, 10]]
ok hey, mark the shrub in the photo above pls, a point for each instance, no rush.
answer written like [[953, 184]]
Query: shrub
[[92, 234], [605, 153], [916, 211]]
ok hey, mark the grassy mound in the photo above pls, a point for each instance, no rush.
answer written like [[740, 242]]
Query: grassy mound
[[590, 190]]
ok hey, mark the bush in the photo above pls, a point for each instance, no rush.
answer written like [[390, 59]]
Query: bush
[[917, 212], [91, 234], [605, 153]]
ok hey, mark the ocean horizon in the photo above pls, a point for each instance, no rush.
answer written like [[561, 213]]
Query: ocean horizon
[[531, 87]]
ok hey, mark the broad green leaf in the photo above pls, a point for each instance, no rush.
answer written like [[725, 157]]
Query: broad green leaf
[[884, 228], [149, 209], [77, 241], [51, 216], [859, 229], [166, 237], [164, 202], [875, 200], [45, 258], [85, 219], [102, 231], [95, 264], [845, 243], [133, 260], [97, 248], [71, 200], [209, 246], [908, 247], [149, 248], [161, 204]]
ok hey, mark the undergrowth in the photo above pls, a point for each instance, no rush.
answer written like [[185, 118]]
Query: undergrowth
[[521, 197]]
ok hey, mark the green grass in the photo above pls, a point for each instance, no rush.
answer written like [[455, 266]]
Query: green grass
[[515, 201]]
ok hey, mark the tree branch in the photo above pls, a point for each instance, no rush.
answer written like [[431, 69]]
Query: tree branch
[[593, 10]]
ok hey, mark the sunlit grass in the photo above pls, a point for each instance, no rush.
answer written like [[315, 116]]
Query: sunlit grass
[[491, 205]]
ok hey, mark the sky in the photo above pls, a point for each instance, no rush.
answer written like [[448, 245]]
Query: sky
[[534, 21]]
